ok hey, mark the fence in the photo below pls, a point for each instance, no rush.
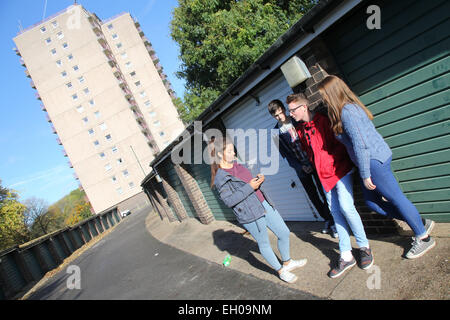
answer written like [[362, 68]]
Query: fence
[[21, 267]]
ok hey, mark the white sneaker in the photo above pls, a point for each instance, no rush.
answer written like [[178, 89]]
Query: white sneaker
[[294, 264], [287, 276]]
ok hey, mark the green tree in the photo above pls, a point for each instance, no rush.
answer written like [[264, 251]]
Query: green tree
[[219, 40], [13, 230]]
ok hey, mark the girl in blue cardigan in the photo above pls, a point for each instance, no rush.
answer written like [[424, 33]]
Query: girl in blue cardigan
[[352, 126]]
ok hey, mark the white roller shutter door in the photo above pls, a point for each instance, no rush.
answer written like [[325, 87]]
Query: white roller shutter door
[[284, 187]]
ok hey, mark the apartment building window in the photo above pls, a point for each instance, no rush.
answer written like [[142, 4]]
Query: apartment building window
[[43, 29], [119, 161], [48, 41], [114, 179], [152, 114], [162, 134], [63, 74], [143, 94], [156, 123], [128, 64], [108, 137], [75, 97], [96, 143], [119, 45], [54, 24], [131, 185], [103, 126], [125, 173], [86, 91], [91, 102], [102, 155], [137, 83], [147, 103], [53, 52], [91, 132], [85, 120], [97, 114], [115, 36], [119, 190], [65, 45], [59, 63], [133, 73], [114, 149], [60, 35], [81, 79], [108, 167], [110, 26], [124, 55], [80, 109], [75, 68], [69, 85], [70, 57]]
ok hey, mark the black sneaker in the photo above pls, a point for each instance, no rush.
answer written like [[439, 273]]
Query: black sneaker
[[366, 258], [341, 267]]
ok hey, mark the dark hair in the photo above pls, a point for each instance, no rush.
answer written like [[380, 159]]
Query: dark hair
[[274, 105], [296, 97]]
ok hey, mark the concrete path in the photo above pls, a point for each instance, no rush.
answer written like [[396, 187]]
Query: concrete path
[[391, 277], [129, 263]]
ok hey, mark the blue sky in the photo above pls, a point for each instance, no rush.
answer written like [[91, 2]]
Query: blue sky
[[31, 161]]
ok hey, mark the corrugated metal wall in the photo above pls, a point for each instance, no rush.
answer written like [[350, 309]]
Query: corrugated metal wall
[[401, 73]]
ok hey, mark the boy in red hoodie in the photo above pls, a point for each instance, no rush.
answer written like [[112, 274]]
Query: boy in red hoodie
[[334, 168]]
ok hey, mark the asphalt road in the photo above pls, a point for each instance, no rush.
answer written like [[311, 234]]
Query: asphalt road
[[130, 264]]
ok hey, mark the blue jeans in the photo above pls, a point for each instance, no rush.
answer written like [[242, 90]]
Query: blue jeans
[[258, 229], [399, 206], [346, 218]]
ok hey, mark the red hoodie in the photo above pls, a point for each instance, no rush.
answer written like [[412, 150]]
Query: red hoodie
[[324, 150]]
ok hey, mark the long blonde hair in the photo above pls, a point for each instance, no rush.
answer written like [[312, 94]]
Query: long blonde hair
[[336, 94]]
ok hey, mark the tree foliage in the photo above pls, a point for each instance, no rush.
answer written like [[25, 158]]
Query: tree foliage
[[219, 40], [13, 230]]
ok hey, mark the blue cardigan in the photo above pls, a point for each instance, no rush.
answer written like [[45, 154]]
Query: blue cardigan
[[361, 139]]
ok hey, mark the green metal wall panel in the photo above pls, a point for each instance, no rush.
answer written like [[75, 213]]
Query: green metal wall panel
[[85, 230], [401, 73], [33, 264], [68, 241], [47, 256], [59, 249], [12, 272], [92, 228]]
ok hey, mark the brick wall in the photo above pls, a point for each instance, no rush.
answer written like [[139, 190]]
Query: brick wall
[[195, 195]]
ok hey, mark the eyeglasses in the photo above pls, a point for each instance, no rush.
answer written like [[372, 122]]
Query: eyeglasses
[[293, 110]]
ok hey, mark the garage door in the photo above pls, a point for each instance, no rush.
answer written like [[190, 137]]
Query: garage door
[[284, 187], [401, 72]]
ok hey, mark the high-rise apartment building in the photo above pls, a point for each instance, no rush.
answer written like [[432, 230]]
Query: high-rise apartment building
[[106, 97]]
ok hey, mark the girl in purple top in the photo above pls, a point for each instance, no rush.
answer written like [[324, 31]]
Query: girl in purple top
[[253, 208]]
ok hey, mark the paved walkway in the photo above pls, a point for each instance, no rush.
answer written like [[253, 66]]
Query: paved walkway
[[130, 264], [391, 277]]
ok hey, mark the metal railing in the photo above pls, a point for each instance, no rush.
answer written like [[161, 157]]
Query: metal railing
[[21, 267]]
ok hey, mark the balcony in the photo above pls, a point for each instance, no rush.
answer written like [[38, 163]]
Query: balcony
[[36, 94], [116, 72], [17, 51], [75, 176], [64, 153], [32, 84], [137, 24], [70, 164], [27, 73], [48, 118], [22, 62], [43, 107], [59, 141], [80, 187], [54, 130]]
